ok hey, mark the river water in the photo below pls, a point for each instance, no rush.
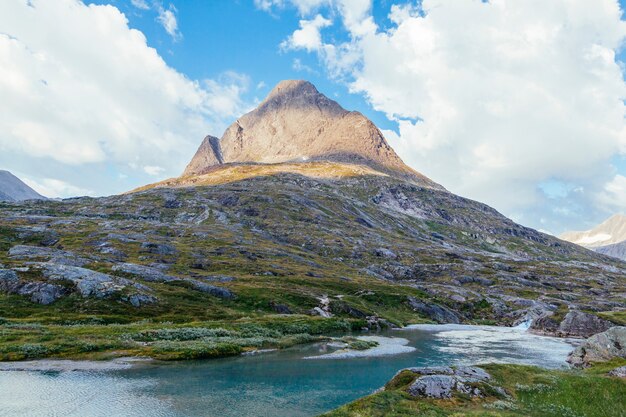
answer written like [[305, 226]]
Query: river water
[[301, 381]]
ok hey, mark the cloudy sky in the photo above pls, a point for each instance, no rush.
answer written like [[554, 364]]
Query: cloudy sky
[[516, 103]]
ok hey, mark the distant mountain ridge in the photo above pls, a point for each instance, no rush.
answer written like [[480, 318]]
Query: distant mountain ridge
[[608, 238], [297, 124], [14, 189]]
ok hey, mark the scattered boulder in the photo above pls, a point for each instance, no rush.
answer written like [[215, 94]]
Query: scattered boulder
[[600, 347], [580, 324], [442, 382], [218, 292], [433, 311], [280, 308], [138, 299], [38, 292], [385, 253], [618, 372], [161, 249]]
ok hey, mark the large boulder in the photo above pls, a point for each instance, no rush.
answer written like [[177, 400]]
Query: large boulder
[[580, 324], [575, 324], [443, 382], [600, 347]]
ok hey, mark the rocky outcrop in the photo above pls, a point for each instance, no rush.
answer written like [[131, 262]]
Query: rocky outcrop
[[575, 324], [24, 252], [444, 382], [600, 348], [296, 123], [150, 274], [580, 324], [433, 311], [37, 291]]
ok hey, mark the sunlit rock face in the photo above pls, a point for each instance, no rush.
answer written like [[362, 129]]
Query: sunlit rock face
[[296, 123]]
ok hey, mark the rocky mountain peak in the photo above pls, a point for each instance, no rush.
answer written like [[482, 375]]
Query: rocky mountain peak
[[611, 231], [297, 123]]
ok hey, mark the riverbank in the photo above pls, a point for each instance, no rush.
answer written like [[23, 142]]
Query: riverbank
[[164, 341], [519, 391]]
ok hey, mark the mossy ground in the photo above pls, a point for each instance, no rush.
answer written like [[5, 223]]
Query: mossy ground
[[531, 391]]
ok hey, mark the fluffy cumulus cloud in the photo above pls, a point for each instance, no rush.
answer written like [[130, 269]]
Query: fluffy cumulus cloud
[[78, 86], [308, 37], [494, 99]]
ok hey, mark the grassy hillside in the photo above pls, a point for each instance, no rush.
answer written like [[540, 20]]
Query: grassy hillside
[[367, 249]]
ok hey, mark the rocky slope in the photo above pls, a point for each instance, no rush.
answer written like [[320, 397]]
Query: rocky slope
[[13, 189], [296, 123], [351, 233], [616, 250]]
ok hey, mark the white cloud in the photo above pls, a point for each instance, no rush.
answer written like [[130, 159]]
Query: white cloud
[[167, 19], [308, 37], [614, 194], [140, 4], [90, 91], [55, 188], [304, 6], [153, 170], [493, 98]]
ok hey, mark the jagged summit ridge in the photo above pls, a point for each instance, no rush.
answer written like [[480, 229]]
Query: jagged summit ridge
[[296, 123]]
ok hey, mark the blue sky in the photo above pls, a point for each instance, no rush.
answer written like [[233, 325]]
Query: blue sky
[[516, 104]]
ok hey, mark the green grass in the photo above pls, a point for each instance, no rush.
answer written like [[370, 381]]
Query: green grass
[[533, 392], [94, 339]]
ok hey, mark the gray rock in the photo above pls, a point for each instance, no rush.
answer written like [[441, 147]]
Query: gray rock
[[443, 381], [42, 292], [38, 292], [56, 256], [219, 292], [144, 272], [138, 300], [158, 248], [8, 278], [88, 283], [385, 253], [280, 308], [433, 311], [580, 324], [618, 372], [433, 386], [601, 347]]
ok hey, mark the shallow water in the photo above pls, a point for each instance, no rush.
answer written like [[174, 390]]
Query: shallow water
[[277, 384]]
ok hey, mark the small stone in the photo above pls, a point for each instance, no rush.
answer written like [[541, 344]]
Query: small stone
[[619, 372]]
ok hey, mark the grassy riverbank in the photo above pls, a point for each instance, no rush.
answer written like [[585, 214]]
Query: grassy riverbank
[[531, 391], [165, 341]]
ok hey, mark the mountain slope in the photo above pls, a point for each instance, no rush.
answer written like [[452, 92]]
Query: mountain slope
[[612, 230], [296, 123], [13, 189], [265, 248], [616, 250]]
